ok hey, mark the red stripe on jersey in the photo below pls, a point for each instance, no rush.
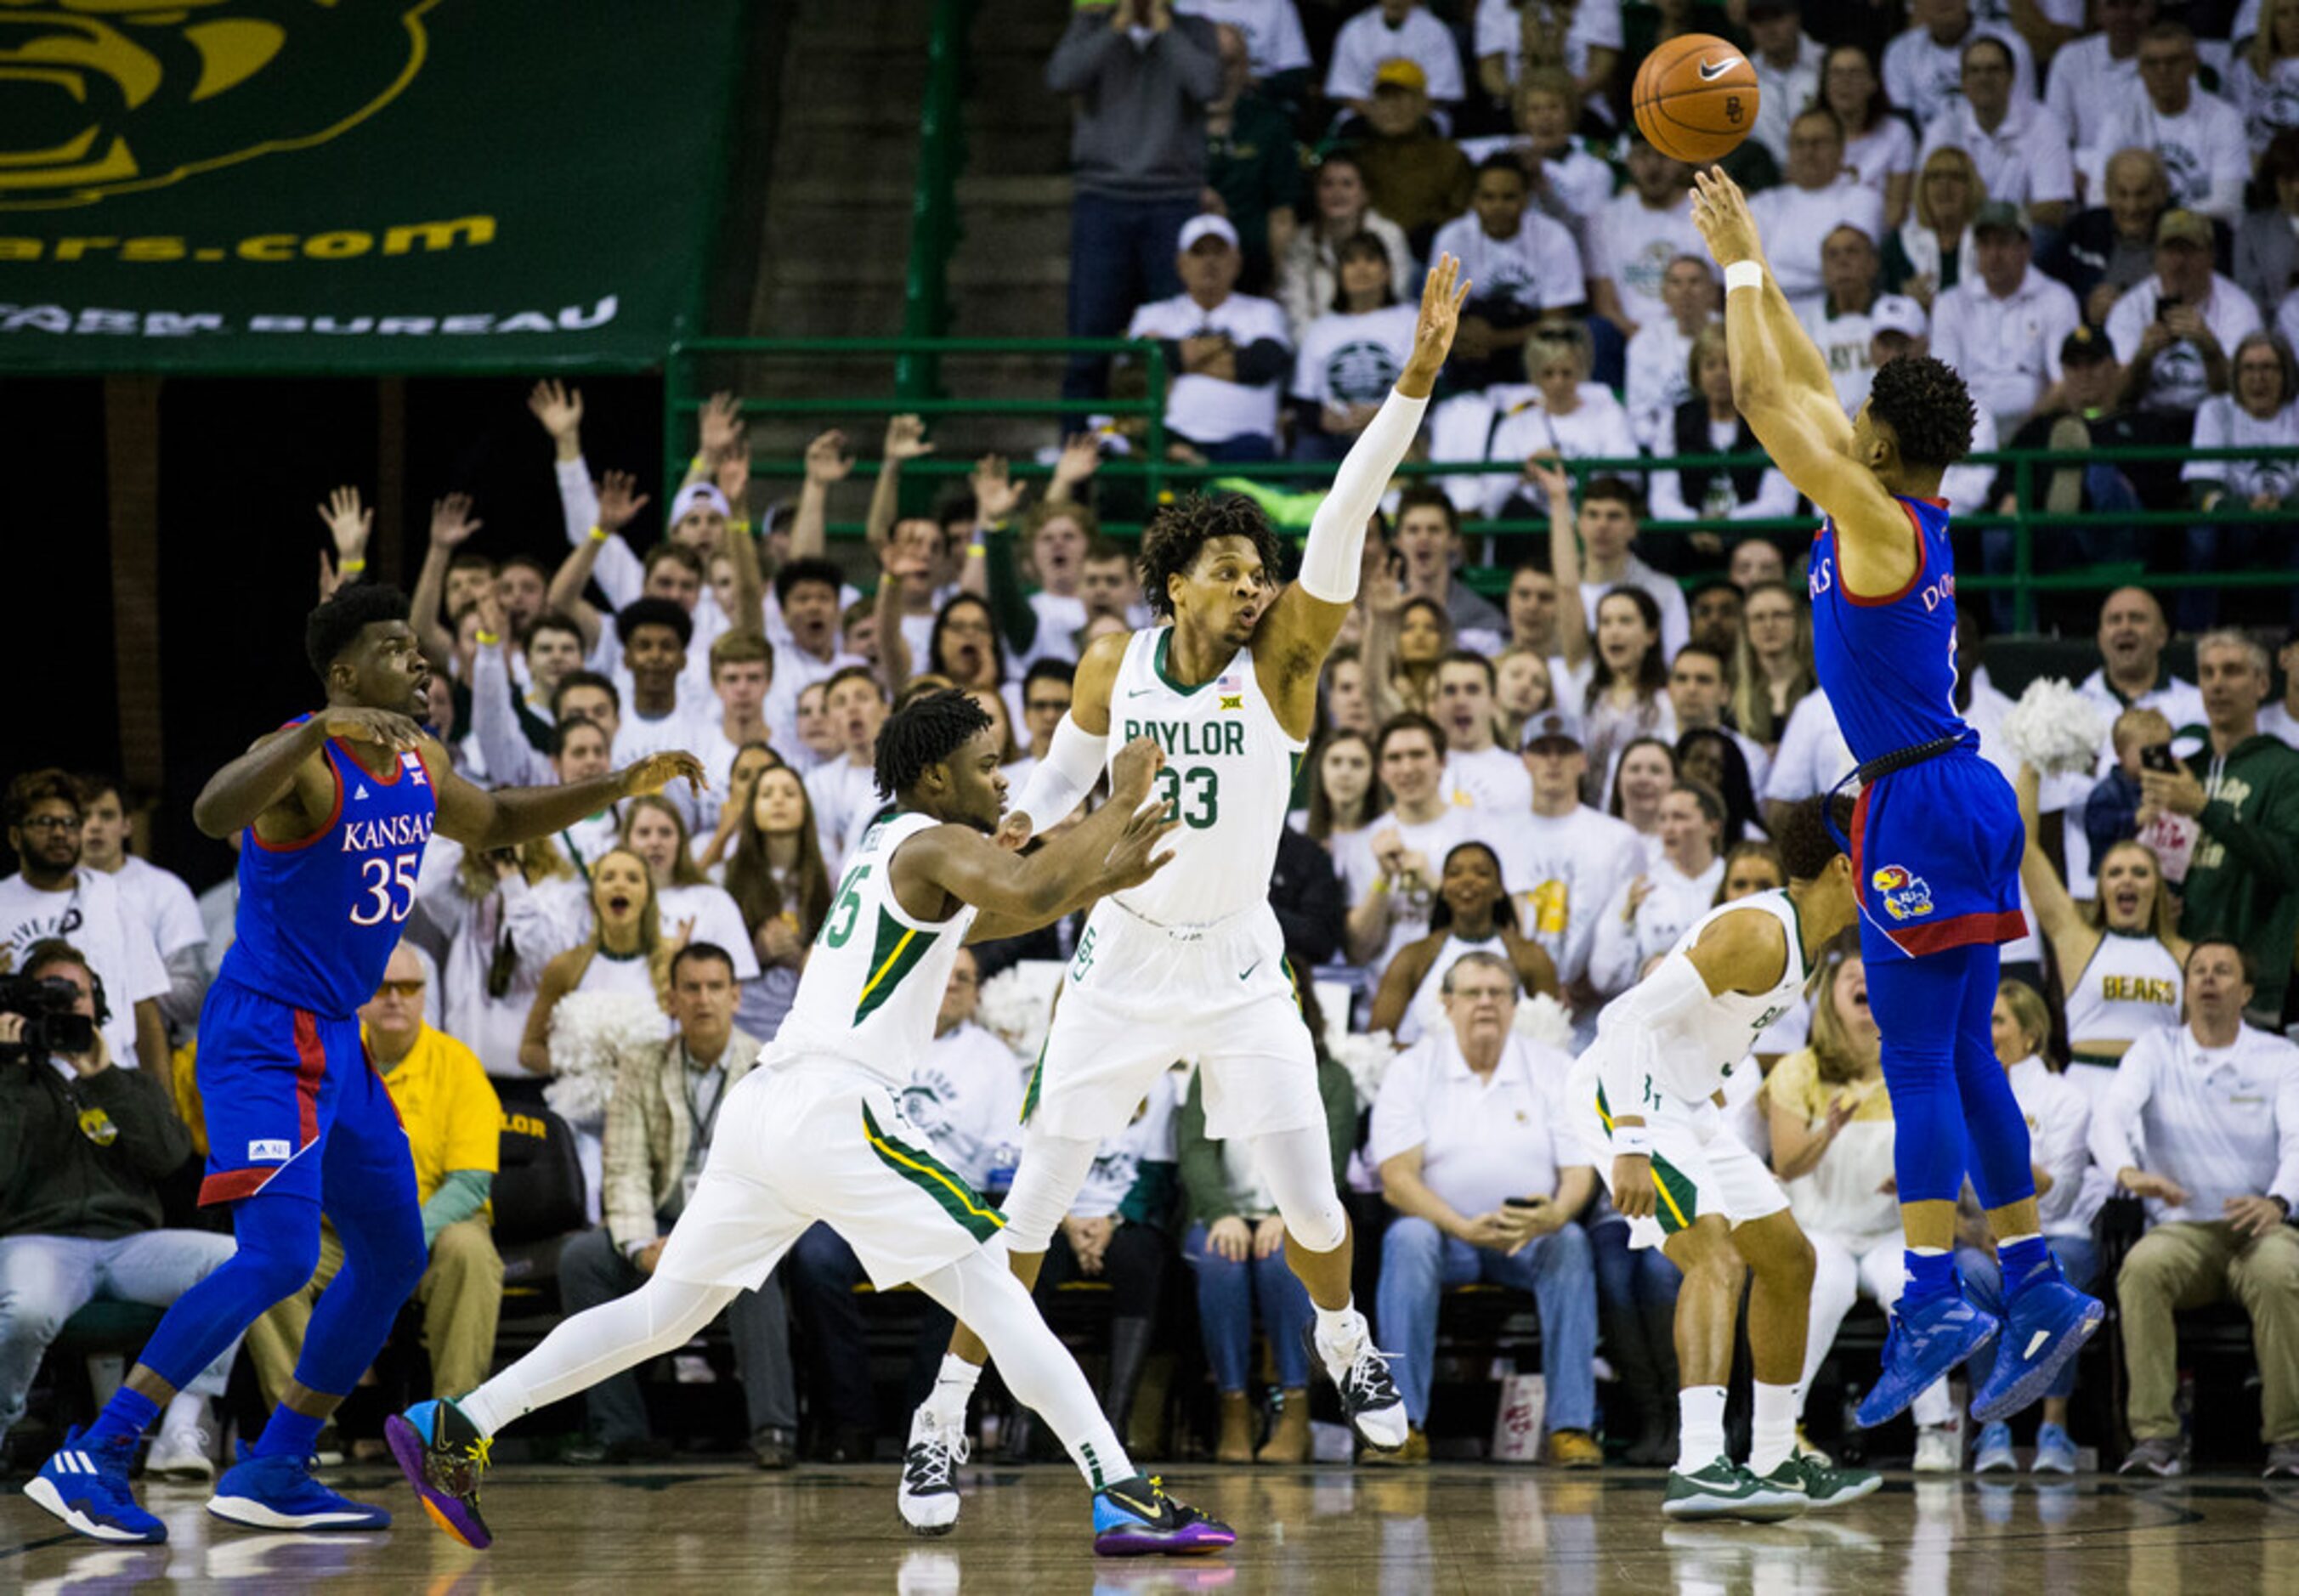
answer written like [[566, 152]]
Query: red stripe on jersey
[[233, 1184], [1987, 926], [1844, 579]]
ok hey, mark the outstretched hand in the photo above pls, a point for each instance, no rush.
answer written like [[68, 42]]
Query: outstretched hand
[[619, 500], [348, 523], [1442, 295], [1720, 211], [1133, 857], [719, 426], [828, 458], [996, 494], [906, 439], [557, 406], [451, 521], [657, 771], [386, 729], [1134, 768]]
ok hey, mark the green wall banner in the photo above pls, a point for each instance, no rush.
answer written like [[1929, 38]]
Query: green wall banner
[[358, 185]]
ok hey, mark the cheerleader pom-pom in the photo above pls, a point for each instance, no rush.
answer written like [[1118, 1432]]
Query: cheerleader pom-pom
[[1017, 1004], [1365, 1055], [2054, 728], [1541, 1018], [589, 1032]]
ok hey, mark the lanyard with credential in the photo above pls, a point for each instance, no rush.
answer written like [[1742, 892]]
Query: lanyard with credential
[[699, 1123]]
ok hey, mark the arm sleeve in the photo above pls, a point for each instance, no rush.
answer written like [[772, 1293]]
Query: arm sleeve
[[464, 1193], [1332, 560], [1065, 777]]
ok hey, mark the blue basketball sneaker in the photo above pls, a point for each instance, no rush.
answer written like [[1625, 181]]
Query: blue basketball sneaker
[[443, 1454], [1924, 1344], [2046, 1322], [86, 1484], [1136, 1518], [278, 1492]]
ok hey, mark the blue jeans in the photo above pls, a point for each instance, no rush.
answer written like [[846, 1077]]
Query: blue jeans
[[1121, 254], [1418, 1262], [46, 1279], [1629, 1276], [1226, 1295], [1983, 1282]]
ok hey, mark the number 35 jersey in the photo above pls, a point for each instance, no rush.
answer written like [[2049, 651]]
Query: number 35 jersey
[[1228, 778], [318, 917]]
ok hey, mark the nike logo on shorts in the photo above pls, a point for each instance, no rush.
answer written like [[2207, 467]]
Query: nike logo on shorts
[[1248, 969], [1709, 74]]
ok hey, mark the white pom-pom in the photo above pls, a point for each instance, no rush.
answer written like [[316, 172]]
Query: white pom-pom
[[1017, 1004], [2054, 728], [1541, 1018], [1365, 1055], [589, 1031]]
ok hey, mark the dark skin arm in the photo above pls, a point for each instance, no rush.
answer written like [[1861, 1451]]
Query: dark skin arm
[[509, 816], [1401, 980]]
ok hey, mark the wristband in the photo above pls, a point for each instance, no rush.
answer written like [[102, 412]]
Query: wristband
[[351, 568], [698, 463], [1743, 274], [744, 525], [488, 639], [1632, 1140], [977, 550], [598, 534]]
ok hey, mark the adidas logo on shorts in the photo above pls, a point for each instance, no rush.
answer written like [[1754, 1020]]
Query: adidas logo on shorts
[[279, 1151]]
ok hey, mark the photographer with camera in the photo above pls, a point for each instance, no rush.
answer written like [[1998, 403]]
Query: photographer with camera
[[83, 1148]]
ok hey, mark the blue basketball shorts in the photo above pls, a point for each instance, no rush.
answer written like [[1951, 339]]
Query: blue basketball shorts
[[1935, 857], [277, 1086]]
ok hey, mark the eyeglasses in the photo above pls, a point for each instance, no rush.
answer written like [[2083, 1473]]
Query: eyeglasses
[[401, 989], [51, 823]]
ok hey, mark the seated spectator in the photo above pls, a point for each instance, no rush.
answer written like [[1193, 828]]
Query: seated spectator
[[781, 883], [87, 1149], [1923, 67], [1644, 918], [2002, 328], [1350, 356], [626, 952], [1831, 1128], [1389, 870], [2066, 1202], [501, 918], [53, 892], [2260, 407], [1879, 153], [1568, 417], [2267, 240], [1570, 181], [843, 792], [2202, 1122], [1709, 423], [1468, 1133], [2111, 811], [2174, 330], [1382, 35], [1252, 167], [1772, 670], [1755, 562], [1046, 693], [1660, 356], [2243, 790], [1413, 174], [1700, 696], [2261, 80], [1565, 860], [751, 760], [1523, 271], [1635, 240], [1139, 79], [1480, 777], [454, 1120], [1428, 539], [1344, 798], [1582, 38], [1615, 649], [1277, 51], [1642, 774], [1227, 353], [692, 908], [2020, 148], [2198, 136], [2092, 75], [1717, 760], [1348, 700], [157, 898], [1235, 1242], [1521, 689], [2110, 248], [1404, 640], [1817, 198], [1473, 912], [1933, 249], [659, 1120], [1789, 67], [964, 1092], [1309, 272]]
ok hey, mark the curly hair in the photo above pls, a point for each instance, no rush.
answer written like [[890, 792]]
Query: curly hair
[[1928, 407], [1178, 532], [1805, 837], [925, 732], [330, 630]]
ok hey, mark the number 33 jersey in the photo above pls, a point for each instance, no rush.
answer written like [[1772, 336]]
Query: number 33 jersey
[[318, 917], [1228, 778]]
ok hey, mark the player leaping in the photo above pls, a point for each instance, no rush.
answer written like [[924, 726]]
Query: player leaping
[[1191, 964], [1936, 838]]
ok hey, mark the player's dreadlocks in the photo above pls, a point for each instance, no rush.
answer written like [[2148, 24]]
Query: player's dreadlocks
[[1805, 843], [925, 731], [1926, 407], [335, 626], [1170, 545]]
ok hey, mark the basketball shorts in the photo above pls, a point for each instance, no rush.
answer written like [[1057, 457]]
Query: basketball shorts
[[1138, 997], [819, 1139], [1699, 1165], [1935, 857]]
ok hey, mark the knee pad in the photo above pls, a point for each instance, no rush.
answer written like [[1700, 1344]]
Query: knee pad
[[1323, 1226]]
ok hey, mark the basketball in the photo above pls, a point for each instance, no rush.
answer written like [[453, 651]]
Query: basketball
[[1696, 98]]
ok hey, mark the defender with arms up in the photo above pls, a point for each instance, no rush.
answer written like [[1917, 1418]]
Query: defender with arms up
[[1936, 839]]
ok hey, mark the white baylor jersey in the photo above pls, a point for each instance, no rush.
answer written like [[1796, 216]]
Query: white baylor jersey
[[875, 978], [1693, 1062], [1228, 778]]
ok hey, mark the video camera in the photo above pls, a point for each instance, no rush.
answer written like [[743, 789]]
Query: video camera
[[50, 1023]]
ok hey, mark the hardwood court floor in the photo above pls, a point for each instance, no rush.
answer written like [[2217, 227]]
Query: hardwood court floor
[[1470, 1531]]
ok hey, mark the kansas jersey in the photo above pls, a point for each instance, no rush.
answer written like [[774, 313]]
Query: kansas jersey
[[1228, 778], [1694, 1066], [318, 918], [1888, 661], [873, 981]]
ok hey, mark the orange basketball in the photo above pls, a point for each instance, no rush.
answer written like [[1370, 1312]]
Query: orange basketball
[[1696, 98]]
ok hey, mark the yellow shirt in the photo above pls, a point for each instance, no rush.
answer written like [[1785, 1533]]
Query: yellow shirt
[[1795, 1085], [449, 1107]]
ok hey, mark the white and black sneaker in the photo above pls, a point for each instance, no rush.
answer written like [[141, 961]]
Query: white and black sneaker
[[929, 1495], [1369, 1397]]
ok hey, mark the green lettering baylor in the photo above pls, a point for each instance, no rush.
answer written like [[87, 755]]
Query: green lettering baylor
[[1181, 738]]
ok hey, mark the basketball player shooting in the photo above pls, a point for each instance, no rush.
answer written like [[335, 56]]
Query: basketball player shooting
[[1936, 836]]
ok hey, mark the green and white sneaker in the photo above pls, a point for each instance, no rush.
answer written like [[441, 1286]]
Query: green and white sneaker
[[1726, 1490], [1823, 1486]]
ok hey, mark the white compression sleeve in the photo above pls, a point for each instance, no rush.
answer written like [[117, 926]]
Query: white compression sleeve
[[1330, 560], [1665, 1000], [1064, 777]]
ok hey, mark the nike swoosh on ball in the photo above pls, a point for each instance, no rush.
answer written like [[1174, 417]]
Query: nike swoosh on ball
[[1709, 74]]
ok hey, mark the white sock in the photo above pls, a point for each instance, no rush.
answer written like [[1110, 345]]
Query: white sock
[[1772, 1433], [1341, 1331], [952, 1389], [185, 1408], [1700, 1427]]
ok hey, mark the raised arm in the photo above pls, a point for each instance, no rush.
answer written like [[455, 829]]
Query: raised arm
[[906, 440], [828, 460], [452, 526], [750, 614], [348, 528], [718, 438], [997, 500], [2055, 910], [509, 816], [280, 787], [895, 566], [1293, 640], [617, 502], [1548, 474]]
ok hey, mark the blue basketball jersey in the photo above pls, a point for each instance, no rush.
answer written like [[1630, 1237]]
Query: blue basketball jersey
[[1888, 661], [318, 918]]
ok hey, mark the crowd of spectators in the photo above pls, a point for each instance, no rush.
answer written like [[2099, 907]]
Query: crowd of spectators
[[1518, 797]]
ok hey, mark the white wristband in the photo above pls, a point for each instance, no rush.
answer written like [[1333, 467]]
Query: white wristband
[[1632, 1140], [1743, 274]]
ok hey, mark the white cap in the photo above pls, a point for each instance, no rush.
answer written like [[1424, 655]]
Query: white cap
[[1897, 313], [1199, 227], [699, 493]]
